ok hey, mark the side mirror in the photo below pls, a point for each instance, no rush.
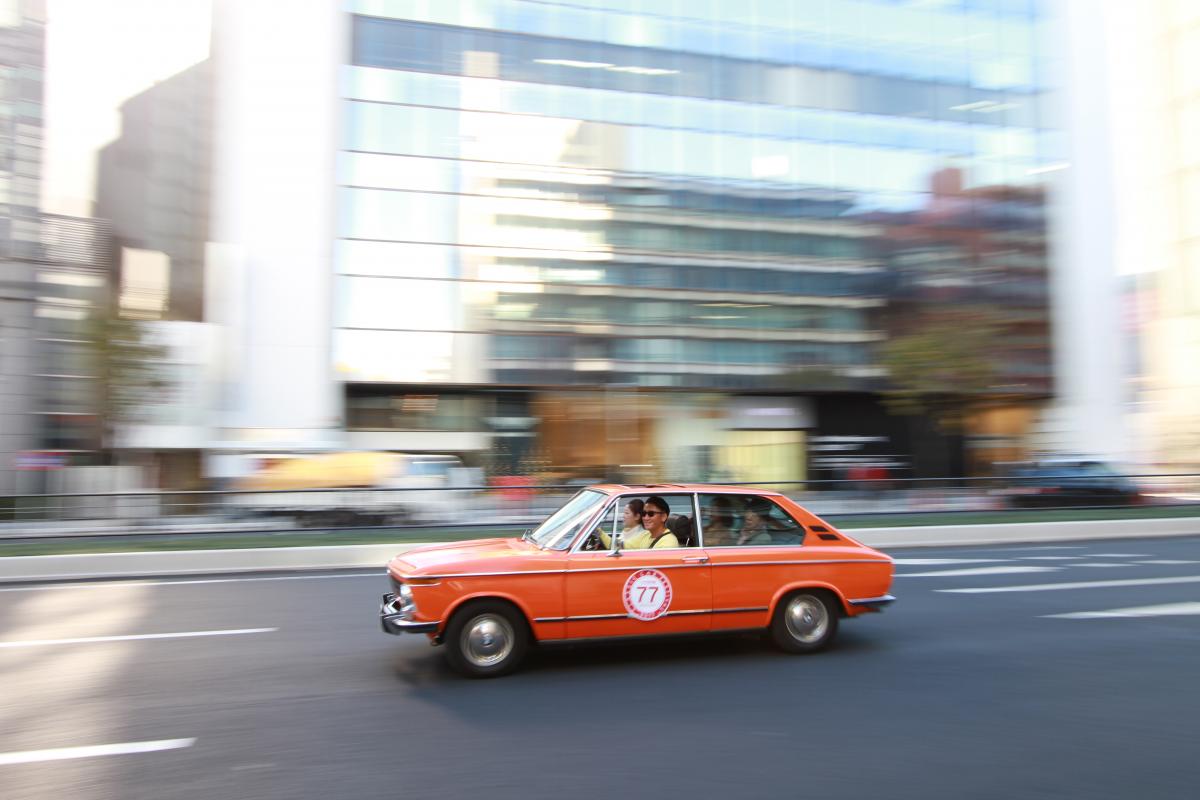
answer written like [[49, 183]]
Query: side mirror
[[616, 551]]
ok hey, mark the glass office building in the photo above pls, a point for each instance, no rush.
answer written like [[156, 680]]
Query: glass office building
[[666, 234]]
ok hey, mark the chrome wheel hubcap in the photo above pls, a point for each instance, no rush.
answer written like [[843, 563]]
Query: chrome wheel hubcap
[[807, 619], [487, 640]]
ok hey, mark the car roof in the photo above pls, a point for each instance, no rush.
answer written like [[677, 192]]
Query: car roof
[[674, 488]]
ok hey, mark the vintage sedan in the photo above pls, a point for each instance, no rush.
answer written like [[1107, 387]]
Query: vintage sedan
[[736, 559]]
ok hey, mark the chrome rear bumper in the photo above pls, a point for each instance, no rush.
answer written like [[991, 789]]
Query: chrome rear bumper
[[873, 603]]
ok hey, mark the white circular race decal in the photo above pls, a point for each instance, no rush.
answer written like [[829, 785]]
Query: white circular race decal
[[647, 594]]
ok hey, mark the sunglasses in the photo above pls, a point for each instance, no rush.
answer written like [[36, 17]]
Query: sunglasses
[[650, 513]]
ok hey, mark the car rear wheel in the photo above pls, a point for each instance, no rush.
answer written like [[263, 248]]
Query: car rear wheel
[[486, 639], [805, 622]]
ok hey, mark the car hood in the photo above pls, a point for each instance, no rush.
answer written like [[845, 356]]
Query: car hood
[[480, 555]]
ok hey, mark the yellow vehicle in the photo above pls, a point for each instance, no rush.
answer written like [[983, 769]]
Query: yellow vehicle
[[352, 488]]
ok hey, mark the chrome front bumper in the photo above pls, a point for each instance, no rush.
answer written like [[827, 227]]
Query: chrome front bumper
[[396, 622]]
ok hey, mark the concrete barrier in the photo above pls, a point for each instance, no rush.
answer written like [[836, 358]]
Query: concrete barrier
[[17, 569]]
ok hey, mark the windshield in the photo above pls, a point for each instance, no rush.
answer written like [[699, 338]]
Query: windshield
[[557, 532]]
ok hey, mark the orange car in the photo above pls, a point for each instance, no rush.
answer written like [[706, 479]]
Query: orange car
[[737, 559]]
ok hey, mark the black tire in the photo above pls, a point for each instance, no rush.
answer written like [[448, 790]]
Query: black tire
[[806, 621], [486, 639]]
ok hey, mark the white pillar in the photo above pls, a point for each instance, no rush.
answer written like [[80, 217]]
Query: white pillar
[[1086, 417], [277, 118]]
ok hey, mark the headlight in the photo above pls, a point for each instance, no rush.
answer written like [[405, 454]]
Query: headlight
[[404, 596]]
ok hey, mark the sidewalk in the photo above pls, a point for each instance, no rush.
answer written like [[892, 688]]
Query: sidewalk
[[16, 569]]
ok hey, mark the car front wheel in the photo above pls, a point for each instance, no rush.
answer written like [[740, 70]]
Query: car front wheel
[[486, 639], [805, 622]]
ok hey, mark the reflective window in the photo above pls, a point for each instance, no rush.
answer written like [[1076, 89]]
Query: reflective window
[[384, 356], [387, 303], [414, 412], [396, 259], [397, 216], [374, 170], [561, 528], [956, 108], [747, 521], [69, 394], [403, 45]]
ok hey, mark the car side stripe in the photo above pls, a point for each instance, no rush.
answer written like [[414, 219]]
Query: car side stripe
[[689, 612], [648, 566]]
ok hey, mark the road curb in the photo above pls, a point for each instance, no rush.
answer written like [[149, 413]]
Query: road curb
[[1025, 532], [21, 569]]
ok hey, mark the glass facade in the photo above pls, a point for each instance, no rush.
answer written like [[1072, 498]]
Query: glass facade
[[738, 197], [22, 65]]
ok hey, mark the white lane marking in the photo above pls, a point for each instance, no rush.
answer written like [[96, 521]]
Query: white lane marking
[[1169, 561], [951, 573], [1118, 555], [1050, 587], [63, 753], [58, 587], [1165, 610], [132, 637], [1057, 547], [1101, 565], [1047, 558], [933, 562]]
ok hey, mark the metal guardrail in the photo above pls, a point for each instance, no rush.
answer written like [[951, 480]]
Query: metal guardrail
[[152, 513]]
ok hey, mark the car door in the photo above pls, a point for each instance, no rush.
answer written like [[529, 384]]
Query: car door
[[747, 575], [637, 592]]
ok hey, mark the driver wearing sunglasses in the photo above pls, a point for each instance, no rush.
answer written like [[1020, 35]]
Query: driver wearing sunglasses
[[656, 533]]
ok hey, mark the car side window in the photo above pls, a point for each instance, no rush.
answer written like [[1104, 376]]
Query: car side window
[[607, 523], [784, 528], [747, 521]]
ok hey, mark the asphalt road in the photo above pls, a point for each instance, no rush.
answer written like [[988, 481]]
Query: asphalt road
[[956, 694]]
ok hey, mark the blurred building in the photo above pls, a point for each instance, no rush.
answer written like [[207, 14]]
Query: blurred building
[[152, 182], [55, 278], [22, 64], [22, 69], [53, 414], [1153, 53], [648, 240], [73, 276]]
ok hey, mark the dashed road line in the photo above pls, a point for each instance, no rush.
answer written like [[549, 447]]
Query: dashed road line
[[64, 753], [954, 573], [1047, 558], [133, 637], [1057, 547], [935, 562], [1164, 610], [1052, 587], [65, 586]]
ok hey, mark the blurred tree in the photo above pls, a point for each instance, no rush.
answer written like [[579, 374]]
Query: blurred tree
[[942, 368], [128, 368]]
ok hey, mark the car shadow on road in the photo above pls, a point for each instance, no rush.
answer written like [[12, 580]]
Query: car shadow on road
[[716, 652]]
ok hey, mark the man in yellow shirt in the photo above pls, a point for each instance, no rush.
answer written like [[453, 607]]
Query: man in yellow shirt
[[656, 533]]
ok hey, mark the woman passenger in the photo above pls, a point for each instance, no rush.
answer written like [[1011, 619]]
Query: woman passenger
[[632, 519]]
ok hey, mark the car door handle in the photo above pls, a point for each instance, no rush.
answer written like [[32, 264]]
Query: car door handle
[[695, 560]]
